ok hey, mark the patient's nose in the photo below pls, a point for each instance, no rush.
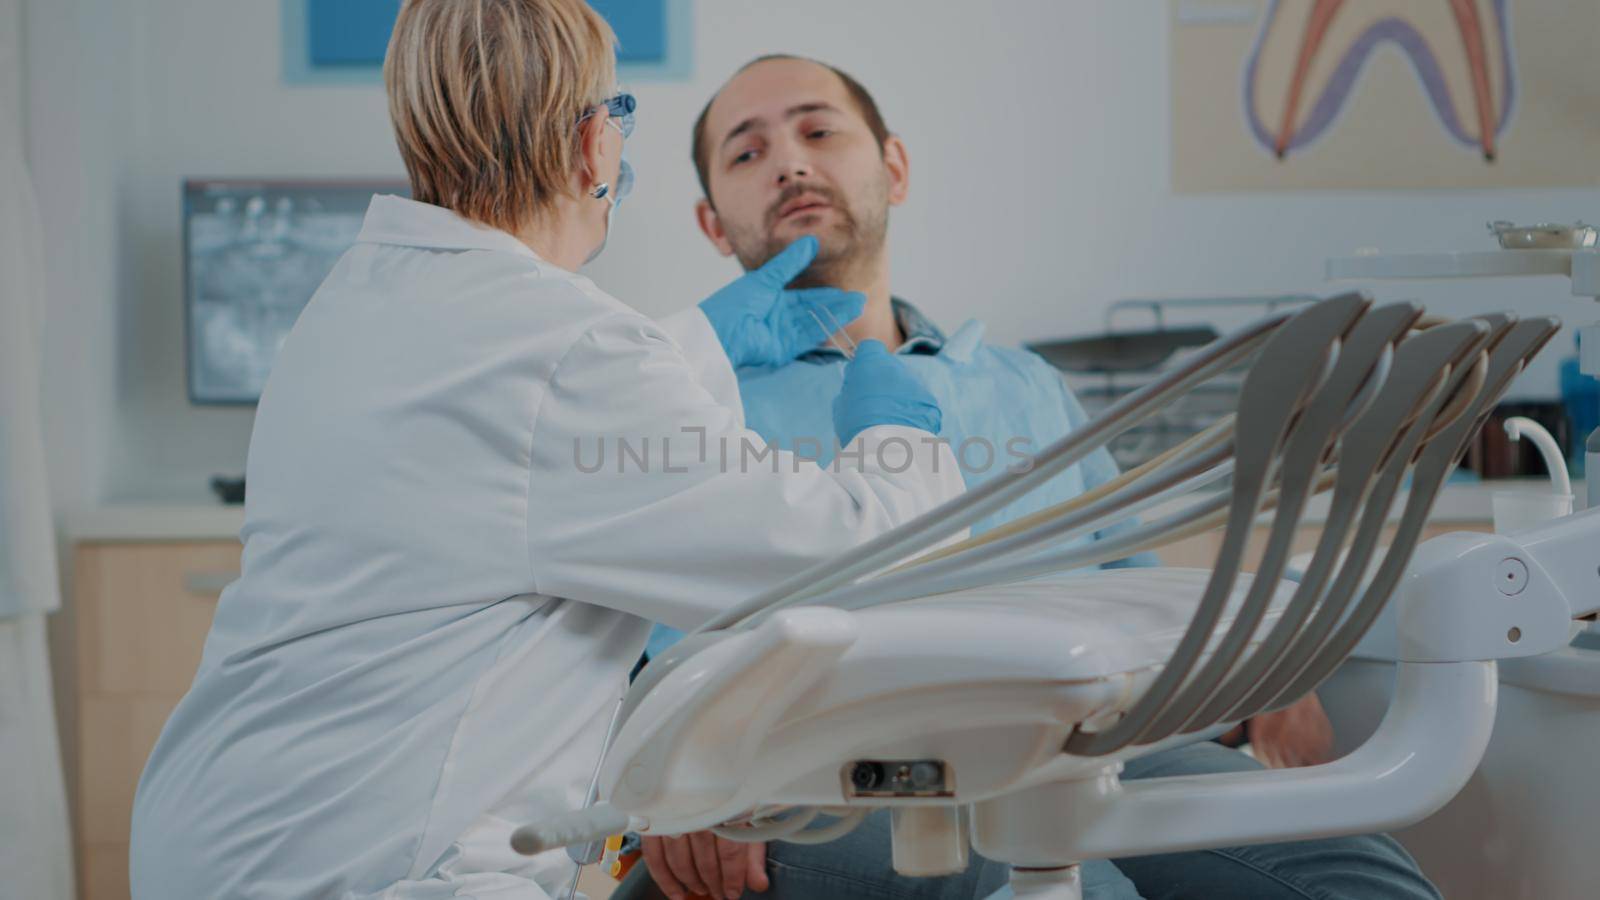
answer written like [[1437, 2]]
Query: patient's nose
[[793, 172]]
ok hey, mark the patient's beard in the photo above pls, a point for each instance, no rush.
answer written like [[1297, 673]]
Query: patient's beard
[[849, 250]]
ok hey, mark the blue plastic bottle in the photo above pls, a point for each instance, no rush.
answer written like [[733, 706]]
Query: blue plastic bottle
[[1580, 394]]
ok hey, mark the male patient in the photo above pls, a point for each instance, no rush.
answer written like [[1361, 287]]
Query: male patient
[[790, 147]]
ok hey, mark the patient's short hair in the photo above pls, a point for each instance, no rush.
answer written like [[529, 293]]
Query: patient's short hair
[[862, 98], [485, 96]]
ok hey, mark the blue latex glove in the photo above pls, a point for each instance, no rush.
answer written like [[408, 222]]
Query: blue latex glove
[[878, 389], [762, 323]]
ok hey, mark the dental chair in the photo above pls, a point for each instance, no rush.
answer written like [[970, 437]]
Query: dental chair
[[988, 691]]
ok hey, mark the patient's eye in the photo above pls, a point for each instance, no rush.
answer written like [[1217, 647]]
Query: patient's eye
[[744, 157], [816, 133]]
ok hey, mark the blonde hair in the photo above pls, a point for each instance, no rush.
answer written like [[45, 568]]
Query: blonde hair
[[485, 96]]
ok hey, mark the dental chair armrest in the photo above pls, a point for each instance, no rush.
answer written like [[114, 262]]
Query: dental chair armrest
[[1429, 744]]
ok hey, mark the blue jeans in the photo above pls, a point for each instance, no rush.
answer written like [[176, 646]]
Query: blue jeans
[[856, 867]]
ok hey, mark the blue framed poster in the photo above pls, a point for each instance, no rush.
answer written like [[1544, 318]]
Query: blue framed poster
[[343, 41]]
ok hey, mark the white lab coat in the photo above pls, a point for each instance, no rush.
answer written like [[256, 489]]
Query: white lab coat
[[35, 842], [35, 846], [393, 684], [28, 576]]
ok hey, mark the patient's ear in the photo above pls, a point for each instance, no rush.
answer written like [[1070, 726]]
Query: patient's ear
[[711, 226], [899, 166]]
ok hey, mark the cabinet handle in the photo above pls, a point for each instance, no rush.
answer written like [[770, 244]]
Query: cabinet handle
[[208, 584]]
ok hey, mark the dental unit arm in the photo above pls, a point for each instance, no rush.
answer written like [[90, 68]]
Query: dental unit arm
[[987, 692]]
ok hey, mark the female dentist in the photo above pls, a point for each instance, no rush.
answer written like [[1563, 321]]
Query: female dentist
[[475, 479]]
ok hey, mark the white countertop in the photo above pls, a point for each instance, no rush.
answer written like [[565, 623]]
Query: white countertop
[[196, 522], [156, 522]]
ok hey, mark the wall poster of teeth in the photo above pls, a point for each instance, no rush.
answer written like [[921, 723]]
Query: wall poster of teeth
[[1375, 94]]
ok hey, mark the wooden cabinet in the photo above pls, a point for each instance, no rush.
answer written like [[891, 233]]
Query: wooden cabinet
[[141, 613], [142, 610]]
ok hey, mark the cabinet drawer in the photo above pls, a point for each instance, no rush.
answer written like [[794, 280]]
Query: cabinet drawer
[[103, 872], [116, 734], [143, 612]]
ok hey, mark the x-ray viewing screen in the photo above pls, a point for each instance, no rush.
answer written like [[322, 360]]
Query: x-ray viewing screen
[[254, 253]]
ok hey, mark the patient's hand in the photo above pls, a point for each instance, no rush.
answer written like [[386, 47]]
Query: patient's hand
[[703, 863], [1298, 735]]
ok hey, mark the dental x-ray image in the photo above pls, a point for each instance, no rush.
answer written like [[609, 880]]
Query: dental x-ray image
[[254, 253]]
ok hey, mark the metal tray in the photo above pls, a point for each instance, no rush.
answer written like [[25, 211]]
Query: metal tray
[[1545, 236], [1121, 351]]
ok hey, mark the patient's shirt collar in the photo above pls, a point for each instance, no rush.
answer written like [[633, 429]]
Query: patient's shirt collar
[[922, 336]]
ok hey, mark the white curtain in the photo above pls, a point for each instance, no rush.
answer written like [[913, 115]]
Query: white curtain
[[35, 847]]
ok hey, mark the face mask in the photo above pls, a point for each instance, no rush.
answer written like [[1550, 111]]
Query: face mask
[[614, 198], [624, 181]]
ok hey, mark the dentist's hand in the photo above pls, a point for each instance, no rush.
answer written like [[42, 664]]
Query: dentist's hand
[[762, 323], [705, 864], [878, 389]]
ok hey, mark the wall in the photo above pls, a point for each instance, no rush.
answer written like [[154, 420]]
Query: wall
[[70, 132], [1038, 138]]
